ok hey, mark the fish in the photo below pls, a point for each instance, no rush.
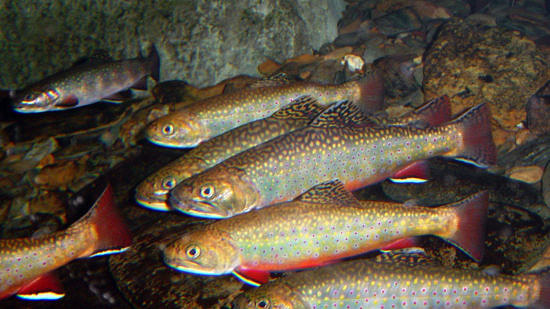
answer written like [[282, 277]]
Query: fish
[[332, 147], [191, 125], [26, 263], [87, 83], [322, 226], [394, 284], [152, 193]]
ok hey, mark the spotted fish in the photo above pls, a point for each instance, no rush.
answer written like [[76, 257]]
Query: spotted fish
[[153, 191], [213, 116], [389, 284], [332, 147], [26, 262], [321, 226], [86, 84]]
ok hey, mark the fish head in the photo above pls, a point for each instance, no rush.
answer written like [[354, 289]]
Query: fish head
[[180, 130], [274, 295], [37, 100], [153, 191], [219, 192], [205, 252]]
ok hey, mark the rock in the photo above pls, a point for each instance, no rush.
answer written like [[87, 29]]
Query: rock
[[268, 67], [546, 184], [200, 41], [538, 111], [475, 64], [528, 174], [60, 174]]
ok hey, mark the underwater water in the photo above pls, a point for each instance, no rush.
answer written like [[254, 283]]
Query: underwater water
[[55, 164]]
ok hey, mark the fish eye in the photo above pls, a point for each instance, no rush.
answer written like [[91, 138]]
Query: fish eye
[[168, 129], [262, 304], [207, 191], [168, 183], [193, 252]]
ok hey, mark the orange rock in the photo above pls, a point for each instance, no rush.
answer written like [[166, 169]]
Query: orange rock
[[50, 203], [528, 174], [47, 160], [338, 53], [303, 59], [58, 175], [268, 67], [351, 27], [305, 74]]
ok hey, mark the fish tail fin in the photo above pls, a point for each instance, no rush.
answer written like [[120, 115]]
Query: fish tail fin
[[544, 293], [472, 217], [371, 93], [478, 147], [155, 63], [113, 235], [434, 112]]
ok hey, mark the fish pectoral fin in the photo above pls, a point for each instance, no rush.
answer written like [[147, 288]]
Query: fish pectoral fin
[[118, 97], [141, 84], [70, 101], [252, 276], [45, 287], [401, 244]]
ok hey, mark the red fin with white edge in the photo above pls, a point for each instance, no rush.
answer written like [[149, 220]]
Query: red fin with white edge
[[252, 276], [416, 172], [113, 234], [472, 216], [45, 287], [477, 139], [371, 93], [401, 244]]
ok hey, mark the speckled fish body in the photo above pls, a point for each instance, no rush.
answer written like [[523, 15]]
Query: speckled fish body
[[153, 191], [85, 84], [369, 284], [328, 149], [22, 260], [323, 225], [207, 118]]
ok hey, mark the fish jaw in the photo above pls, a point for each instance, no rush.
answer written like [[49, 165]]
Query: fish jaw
[[278, 295], [209, 252], [178, 130], [154, 202], [37, 100], [218, 192]]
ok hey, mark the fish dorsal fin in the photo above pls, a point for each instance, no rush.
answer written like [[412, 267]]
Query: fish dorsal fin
[[279, 79], [341, 114], [332, 192], [305, 107], [409, 256]]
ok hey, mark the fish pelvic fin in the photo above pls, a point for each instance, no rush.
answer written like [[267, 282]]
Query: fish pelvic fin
[[252, 277], [371, 93], [472, 217], [477, 140], [113, 235], [154, 59], [45, 287]]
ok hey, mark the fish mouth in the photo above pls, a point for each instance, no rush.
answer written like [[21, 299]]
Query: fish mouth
[[198, 208], [189, 267], [158, 202]]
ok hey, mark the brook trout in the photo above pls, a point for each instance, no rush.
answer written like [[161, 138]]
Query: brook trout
[[86, 84], [213, 116], [153, 191], [332, 147], [25, 262], [370, 284], [324, 225]]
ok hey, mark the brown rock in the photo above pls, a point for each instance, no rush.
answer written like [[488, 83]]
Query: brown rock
[[304, 59], [528, 174], [268, 67], [474, 64], [58, 175]]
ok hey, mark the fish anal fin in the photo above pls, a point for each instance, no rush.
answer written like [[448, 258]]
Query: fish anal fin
[[415, 172], [45, 287], [252, 277], [401, 244], [329, 192], [119, 97], [305, 107]]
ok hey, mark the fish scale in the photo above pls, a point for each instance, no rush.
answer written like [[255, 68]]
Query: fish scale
[[213, 116], [369, 284], [331, 147]]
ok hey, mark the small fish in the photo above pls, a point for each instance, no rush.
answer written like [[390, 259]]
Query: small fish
[[213, 116], [86, 84], [153, 191], [324, 225], [25, 263], [332, 147], [389, 284]]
